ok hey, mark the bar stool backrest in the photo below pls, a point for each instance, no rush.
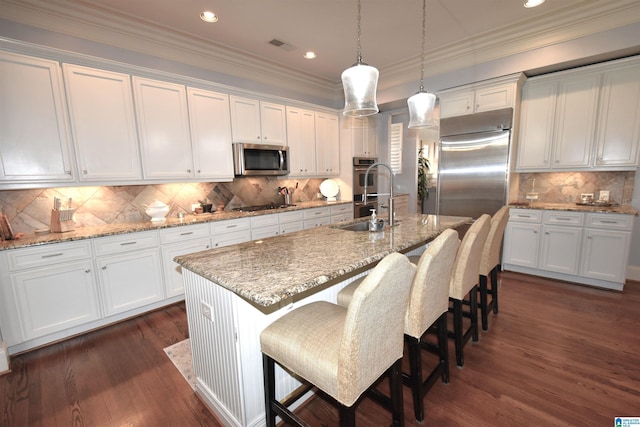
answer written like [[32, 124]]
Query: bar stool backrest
[[493, 244], [466, 268]]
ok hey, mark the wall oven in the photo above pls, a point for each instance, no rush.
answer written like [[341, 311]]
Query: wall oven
[[360, 166]]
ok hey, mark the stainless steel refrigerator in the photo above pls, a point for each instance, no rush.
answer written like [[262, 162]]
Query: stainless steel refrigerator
[[473, 163]]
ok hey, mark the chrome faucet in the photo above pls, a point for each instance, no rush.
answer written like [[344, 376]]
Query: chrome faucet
[[390, 193]]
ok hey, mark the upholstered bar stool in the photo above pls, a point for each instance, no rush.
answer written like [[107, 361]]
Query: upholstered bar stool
[[426, 311], [343, 352], [464, 283], [490, 265]]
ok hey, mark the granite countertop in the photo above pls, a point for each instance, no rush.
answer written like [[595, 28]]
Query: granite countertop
[[270, 271], [629, 210], [123, 228]]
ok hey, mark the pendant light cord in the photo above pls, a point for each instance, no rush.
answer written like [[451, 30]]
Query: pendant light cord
[[359, 32], [424, 36]]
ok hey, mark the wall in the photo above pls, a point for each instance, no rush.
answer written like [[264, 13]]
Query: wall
[[30, 210]]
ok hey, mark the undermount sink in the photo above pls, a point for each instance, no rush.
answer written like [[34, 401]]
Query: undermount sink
[[357, 226]]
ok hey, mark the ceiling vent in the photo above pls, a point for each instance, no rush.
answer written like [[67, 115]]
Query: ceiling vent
[[282, 45]]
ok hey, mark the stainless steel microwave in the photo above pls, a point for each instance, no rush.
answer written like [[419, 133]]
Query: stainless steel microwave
[[260, 159]]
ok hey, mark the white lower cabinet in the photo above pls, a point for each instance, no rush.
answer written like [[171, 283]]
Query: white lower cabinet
[[178, 241], [130, 271], [316, 217], [291, 222], [341, 213], [58, 294], [230, 232], [588, 248], [264, 226]]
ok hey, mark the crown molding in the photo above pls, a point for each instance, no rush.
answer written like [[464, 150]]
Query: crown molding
[[78, 21], [551, 29]]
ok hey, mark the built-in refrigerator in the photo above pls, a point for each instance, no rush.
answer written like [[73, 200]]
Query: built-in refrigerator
[[473, 163]]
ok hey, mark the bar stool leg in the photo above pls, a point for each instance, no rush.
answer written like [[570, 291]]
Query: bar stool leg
[[473, 304], [415, 375], [457, 331], [484, 303], [494, 288], [395, 385], [269, 389], [443, 346]]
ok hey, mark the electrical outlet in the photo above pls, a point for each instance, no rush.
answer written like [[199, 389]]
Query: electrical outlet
[[532, 196], [319, 195], [604, 195], [205, 309]]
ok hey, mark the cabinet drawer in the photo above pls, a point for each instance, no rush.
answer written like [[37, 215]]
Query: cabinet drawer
[[264, 220], [230, 225], [49, 254], [126, 242], [341, 209], [611, 221], [293, 216], [180, 234], [563, 218], [315, 213], [525, 215]]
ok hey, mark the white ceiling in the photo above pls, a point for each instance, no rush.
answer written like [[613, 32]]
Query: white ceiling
[[459, 33]]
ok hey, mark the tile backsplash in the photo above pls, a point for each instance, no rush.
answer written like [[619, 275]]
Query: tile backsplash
[[30, 210], [566, 187]]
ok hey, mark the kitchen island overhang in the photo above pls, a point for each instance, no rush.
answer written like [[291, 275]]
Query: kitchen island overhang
[[233, 293]]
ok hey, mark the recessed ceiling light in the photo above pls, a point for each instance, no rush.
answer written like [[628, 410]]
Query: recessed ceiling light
[[533, 3], [310, 55], [208, 16]]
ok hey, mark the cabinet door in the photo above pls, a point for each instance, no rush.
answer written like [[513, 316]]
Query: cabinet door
[[301, 137], [560, 249], [245, 120], [456, 103], [327, 144], [575, 121], [536, 125], [163, 125], [55, 298], [363, 136], [102, 124], [521, 244], [130, 280], [494, 97], [619, 119], [605, 254], [210, 122], [174, 284], [34, 138], [273, 123]]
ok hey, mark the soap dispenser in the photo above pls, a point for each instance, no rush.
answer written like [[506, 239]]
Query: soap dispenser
[[373, 222]]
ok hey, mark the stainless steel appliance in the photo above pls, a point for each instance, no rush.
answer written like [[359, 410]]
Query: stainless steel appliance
[[360, 166], [260, 159], [473, 163]]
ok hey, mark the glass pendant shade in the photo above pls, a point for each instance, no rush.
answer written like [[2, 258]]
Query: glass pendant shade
[[422, 111], [360, 83]]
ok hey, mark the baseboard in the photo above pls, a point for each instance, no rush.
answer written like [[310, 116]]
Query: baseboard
[[633, 272], [4, 359]]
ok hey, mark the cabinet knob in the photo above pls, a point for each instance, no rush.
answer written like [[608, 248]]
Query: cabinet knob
[[207, 246], [535, 232], [67, 172], [188, 170], [104, 267], [199, 171], [88, 270], [84, 171]]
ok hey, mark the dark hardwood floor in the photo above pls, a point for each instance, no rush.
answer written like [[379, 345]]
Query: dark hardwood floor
[[557, 354]]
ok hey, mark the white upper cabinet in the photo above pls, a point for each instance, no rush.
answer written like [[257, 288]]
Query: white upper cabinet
[[301, 135], [34, 137], [258, 122], [575, 121], [485, 96], [363, 136], [585, 119], [102, 124], [327, 144], [210, 123], [619, 120], [163, 126]]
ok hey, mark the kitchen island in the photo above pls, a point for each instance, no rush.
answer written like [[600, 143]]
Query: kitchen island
[[233, 293]]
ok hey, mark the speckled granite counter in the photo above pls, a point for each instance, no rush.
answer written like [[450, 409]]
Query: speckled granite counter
[[113, 229], [629, 210], [270, 271]]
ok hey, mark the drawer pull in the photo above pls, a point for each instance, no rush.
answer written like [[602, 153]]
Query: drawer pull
[[127, 243], [523, 216], [604, 221], [186, 233], [232, 226], [563, 219], [53, 255]]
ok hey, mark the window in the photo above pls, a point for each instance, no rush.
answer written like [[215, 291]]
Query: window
[[395, 147]]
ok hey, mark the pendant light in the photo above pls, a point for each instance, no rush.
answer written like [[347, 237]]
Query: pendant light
[[360, 83], [422, 105]]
